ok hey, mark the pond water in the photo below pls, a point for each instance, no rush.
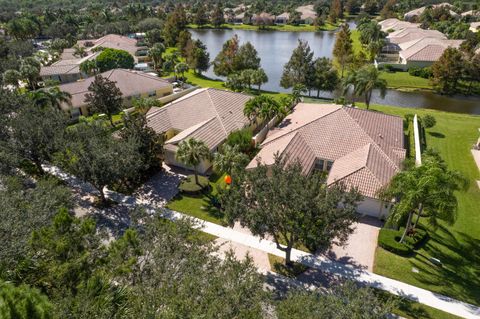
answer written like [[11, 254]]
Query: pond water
[[275, 48]]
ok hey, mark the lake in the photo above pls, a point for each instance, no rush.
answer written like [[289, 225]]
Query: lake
[[275, 48]]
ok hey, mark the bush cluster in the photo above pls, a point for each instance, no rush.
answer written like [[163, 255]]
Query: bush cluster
[[425, 73], [389, 239]]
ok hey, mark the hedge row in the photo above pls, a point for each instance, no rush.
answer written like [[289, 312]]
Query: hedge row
[[389, 239]]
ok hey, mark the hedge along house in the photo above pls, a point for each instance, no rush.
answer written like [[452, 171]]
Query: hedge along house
[[362, 149], [209, 115], [132, 85]]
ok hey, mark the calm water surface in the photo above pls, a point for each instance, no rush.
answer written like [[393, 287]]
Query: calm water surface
[[275, 49]]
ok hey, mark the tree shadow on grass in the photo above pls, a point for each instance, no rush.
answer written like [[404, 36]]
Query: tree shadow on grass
[[459, 275]]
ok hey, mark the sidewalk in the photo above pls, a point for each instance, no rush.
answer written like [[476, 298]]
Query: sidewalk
[[321, 263]]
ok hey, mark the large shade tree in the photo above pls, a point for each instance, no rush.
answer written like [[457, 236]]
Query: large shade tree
[[192, 152], [104, 97], [299, 69], [427, 191], [282, 202], [343, 48]]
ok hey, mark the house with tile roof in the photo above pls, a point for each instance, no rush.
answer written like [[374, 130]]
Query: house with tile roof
[[414, 14], [132, 84], [67, 69], [393, 24], [359, 148], [413, 33], [474, 26], [209, 115], [425, 51]]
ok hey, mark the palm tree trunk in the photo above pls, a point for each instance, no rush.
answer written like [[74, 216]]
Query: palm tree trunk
[[196, 175], [420, 209], [407, 227]]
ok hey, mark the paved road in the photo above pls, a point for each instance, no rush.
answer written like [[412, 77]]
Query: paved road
[[321, 263]]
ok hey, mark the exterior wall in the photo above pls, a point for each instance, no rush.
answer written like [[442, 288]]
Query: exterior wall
[[373, 207], [419, 64], [63, 78], [169, 158]]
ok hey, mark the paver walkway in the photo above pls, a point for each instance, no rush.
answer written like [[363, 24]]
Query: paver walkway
[[321, 263]]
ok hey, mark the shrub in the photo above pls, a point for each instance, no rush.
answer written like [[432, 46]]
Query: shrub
[[389, 239], [425, 73], [189, 186], [428, 121], [242, 138], [112, 59]]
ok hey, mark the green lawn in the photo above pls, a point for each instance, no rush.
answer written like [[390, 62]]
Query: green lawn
[[289, 28], [457, 246], [405, 81], [200, 206]]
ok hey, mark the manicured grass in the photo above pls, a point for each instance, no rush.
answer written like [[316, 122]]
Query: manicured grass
[[277, 265], [288, 28], [357, 46], [458, 245], [200, 205], [405, 81]]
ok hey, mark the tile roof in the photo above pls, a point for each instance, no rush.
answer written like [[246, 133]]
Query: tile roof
[[207, 114], [129, 82], [367, 147], [426, 49], [419, 11], [307, 12], [413, 33], [396, 25], [66, 66]]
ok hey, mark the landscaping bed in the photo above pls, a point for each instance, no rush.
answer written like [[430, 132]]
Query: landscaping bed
[[389, 239], [277, 265]]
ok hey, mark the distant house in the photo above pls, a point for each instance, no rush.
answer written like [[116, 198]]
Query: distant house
[[132, 85], [307, 14], [67, 69], [393, 24], [414, 14], [282, 18], [410, 34], [424, 52], [474, 26], [209, 115], [361, 149], [263, 18], [471, 13]]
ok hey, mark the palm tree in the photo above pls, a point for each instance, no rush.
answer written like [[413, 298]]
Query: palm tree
[[348, 83], [181, 68], [427, 190], [53, 97], [192, 152], [155, 53], [79, 51], [262, 106], [366, 80], [229, 159]]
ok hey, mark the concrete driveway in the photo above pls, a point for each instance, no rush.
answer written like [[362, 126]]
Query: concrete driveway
[[361, 245]]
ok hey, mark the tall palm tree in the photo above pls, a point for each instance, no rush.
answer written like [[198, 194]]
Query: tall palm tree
[[229, 159], [52, 97], [366, 80], [181, 68], [192, 152], [155, 53], [262, 106], [427, 190]]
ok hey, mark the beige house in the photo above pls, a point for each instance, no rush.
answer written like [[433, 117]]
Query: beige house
[[307, 14], [393, 24], [416, 13], [132, 85], [209, 115], [360, 148], [474, 26], [67, 69], [425, 51], [413, 33]]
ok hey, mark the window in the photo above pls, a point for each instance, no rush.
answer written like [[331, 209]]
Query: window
[[329, 165], [319, 164]]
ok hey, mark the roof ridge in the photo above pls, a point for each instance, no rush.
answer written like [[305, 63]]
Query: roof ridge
[[385, 156], [198, 126], [304, 125], [216, 112]]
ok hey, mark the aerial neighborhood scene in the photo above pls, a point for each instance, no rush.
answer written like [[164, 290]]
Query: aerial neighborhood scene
[[284, 159]]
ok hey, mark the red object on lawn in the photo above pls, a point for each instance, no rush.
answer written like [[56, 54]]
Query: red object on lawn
[[228, 179]]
